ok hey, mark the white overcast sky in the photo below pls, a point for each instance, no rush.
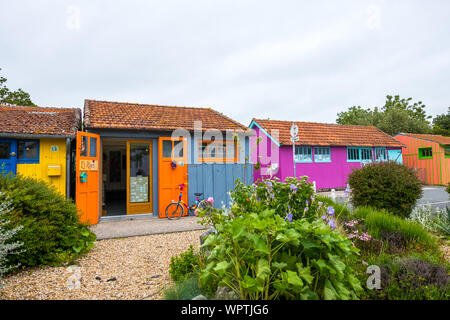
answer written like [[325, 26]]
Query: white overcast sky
[[286, 60]]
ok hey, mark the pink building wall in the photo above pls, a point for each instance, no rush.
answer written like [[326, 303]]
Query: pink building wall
[[327, 175]]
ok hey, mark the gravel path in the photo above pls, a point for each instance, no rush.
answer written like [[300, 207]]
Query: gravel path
[[123, 268]]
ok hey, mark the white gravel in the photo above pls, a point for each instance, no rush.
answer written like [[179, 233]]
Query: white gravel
[[136, 267]]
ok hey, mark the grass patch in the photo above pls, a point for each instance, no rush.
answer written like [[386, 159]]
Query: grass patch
[[389, 228]]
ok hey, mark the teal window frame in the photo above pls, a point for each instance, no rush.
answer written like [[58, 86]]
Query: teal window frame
[[382, 151], [421, 150], [302, 151], [360, 152], [364, 152], [353, 151], [325, 152], [24, 150]]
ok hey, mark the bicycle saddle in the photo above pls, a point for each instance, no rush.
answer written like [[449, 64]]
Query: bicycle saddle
[[198, 194]]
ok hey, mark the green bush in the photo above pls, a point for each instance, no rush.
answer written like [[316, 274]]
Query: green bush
[[385, 185], [184, 265], [398, 234], [260, 255], [411, 278], [185, 289], [52, 232], [448, 188]]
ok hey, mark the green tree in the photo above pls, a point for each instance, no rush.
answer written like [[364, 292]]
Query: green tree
[[397, 115], [441, 124], [18, 97]]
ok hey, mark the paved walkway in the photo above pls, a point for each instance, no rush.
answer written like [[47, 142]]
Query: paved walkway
[[139, 226], [118, 228]]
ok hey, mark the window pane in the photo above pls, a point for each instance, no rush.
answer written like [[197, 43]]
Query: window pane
[[212, 150], [203, 149], [20, 150], [231, 150], [84, 146], [93, 147], [5, 150], [447, 151], [178, 149], [167, 149], [31, 149]]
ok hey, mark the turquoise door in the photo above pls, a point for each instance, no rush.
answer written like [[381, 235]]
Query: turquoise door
[[8, 156], [395, 155]]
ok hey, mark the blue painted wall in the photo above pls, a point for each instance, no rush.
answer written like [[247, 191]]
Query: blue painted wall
[[216, 180]]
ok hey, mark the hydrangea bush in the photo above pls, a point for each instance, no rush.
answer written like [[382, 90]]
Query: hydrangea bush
[[278, 242]]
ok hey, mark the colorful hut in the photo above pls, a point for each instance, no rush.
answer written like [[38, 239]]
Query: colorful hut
[[326, 153], [429, 155], [36, 142]]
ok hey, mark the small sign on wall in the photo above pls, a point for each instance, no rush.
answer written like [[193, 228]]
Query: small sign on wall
[[54, 148], [88, 165]]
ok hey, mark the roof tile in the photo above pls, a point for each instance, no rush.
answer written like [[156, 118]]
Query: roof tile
[[326, 134], [39, 120], [124, 115]]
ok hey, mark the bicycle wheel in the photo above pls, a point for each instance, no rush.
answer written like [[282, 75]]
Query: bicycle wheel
[[174, 211]]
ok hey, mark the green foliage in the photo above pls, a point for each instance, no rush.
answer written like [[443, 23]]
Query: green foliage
[[52, 232], [185, 289], [385, 185], [441, 124], [411, 278], [397, 115], [432, 219], [397, 233], [260, 255], [293, 196], [18, 97], [184, 265], [447, 188]]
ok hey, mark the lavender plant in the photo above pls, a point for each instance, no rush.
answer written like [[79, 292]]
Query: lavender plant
[[6, 246]]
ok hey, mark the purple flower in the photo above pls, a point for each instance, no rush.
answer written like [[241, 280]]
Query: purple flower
[[330, 211], [293, 188], [288, 217], [324, 217], [269, 184], [332, 224], [307, 202]]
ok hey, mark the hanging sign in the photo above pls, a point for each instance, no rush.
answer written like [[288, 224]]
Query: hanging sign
[[88, 165]]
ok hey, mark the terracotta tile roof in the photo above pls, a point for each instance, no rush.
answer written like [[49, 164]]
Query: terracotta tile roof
[[39, 120], [134, 116], [431, 137], [326, 134]]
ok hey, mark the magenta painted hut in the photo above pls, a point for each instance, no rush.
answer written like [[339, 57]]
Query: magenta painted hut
[[326, 153]]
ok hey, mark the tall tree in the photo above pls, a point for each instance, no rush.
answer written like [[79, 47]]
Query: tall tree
[[18, 97], [395, 116], [441, 124]]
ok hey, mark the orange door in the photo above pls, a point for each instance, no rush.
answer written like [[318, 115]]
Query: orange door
[[87, 176], [171, 150]]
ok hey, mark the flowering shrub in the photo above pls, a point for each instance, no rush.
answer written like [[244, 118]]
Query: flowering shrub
[[261, 255], [293, 198]]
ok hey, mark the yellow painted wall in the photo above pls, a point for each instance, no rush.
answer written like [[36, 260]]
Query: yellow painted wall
[[48, 157]]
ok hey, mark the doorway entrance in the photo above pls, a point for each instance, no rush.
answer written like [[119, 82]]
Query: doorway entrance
[[126, 178], [114, 179]]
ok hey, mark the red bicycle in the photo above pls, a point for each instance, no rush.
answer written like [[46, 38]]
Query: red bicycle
[[176, 209]]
